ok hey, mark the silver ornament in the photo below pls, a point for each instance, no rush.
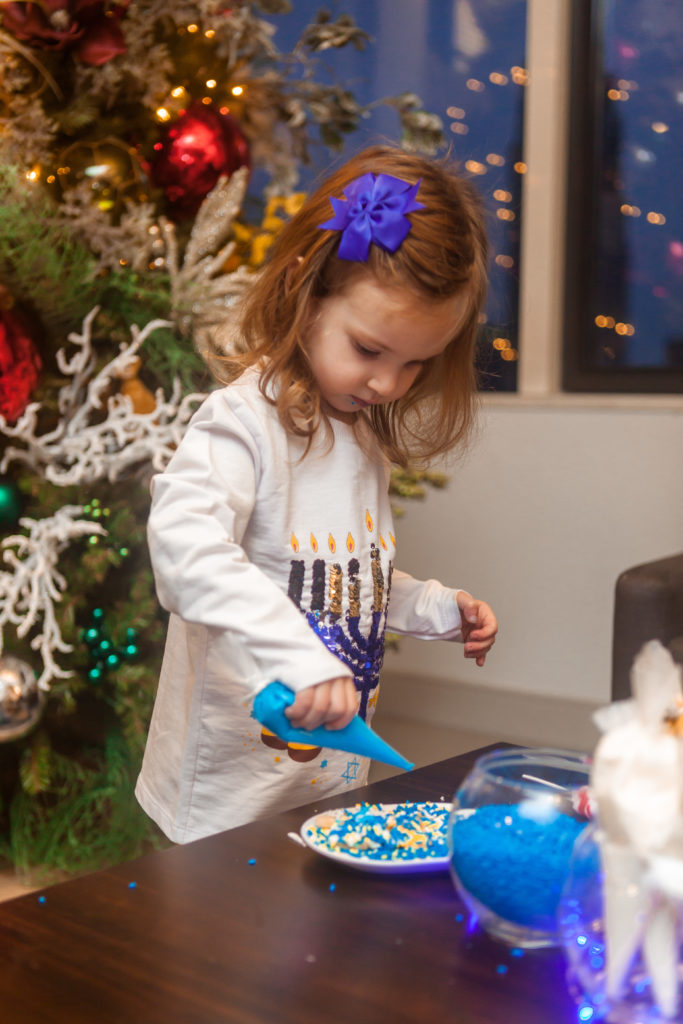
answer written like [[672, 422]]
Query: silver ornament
[[21, 699]]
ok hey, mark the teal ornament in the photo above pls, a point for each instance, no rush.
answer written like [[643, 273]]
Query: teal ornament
[[105, 655], [10, 502]]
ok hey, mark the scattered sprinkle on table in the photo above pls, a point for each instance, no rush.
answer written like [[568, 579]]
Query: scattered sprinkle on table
[[398, 832]]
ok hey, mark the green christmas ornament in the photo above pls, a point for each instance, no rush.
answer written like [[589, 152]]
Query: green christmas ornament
[[10, 502]]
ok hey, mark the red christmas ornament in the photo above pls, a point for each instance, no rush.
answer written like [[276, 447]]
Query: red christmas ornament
[[19, 364], [194, 152], [88, 27]]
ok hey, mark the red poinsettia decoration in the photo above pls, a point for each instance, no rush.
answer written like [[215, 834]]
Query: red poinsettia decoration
[[89, 27], [19, 364]]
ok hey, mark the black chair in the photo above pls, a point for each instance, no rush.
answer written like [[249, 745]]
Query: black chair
[[648, 605]]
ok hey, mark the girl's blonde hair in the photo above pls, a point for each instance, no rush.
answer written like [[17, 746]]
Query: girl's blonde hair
[[444, 254]]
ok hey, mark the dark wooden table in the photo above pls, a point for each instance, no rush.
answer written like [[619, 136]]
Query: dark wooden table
[[197, 934]]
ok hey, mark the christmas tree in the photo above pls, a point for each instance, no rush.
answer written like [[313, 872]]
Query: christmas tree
[[149, 154]]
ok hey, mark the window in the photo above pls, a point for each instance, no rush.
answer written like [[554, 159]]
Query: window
[[465, 59], [624, 269]]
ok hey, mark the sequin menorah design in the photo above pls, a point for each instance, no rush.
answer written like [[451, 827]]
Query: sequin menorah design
[[340, 633]]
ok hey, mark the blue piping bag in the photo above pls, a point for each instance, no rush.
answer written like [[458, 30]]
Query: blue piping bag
[[356, 738]]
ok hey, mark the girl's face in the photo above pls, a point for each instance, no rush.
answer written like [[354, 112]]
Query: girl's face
[[368, 343]]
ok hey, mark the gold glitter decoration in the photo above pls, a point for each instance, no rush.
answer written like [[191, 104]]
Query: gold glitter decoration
[[253, 242], [206, 255]]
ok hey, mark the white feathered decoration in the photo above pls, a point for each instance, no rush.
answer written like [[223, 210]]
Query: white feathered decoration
[[637, 782]]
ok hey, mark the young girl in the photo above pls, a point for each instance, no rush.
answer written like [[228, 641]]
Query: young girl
[[271, 532]]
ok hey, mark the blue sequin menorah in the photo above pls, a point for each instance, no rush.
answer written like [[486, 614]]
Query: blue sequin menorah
[[356, 738], [341, 633]]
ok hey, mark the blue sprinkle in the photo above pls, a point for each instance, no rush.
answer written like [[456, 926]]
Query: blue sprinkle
[[323, 764], [492, 851], [501, 969], [41, 899], [132, 885], [252, 860], [408, 832], [586, 1013], [459, 917], [332, 887], [516, 952]]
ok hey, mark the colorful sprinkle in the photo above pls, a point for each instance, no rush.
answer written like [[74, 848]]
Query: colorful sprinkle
[[402, 832], [132, 885], [252, 860], [41, 899]]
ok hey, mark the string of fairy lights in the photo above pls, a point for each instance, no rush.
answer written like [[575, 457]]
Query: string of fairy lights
[[517, 76], [619, 93]]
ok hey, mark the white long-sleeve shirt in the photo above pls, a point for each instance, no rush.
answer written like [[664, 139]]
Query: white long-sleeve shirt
[[272, 567]]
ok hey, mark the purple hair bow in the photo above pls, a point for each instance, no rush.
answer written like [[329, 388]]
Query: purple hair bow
[[374, 210]]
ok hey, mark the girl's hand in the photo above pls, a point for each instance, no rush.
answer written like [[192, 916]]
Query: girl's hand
[[479, 626], [332, 704]]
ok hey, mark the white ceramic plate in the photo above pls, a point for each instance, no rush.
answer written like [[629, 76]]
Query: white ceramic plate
[[366, 863]]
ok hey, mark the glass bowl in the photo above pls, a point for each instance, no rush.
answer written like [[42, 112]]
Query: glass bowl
[[626, 993], [511, 834]]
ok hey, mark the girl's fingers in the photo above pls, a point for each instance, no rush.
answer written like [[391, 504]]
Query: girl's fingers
[[332, 703], [343, 704]]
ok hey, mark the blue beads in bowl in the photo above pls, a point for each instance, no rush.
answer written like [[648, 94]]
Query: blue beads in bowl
[[511, 836]]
